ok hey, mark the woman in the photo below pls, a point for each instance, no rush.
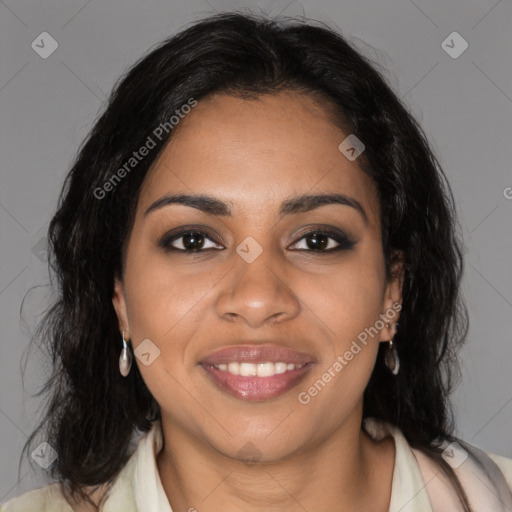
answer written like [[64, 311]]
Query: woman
[[259, 307]]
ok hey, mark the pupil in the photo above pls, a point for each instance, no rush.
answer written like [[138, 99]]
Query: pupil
[[316, 244], [191, 239]]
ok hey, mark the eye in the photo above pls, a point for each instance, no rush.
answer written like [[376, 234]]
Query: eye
[[191, 240], [321, 240], [196, 240]]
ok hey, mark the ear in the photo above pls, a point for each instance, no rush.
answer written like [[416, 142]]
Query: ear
[[392, 303], [119, 301]]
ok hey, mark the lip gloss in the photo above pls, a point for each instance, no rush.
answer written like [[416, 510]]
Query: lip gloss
[[256, 388]]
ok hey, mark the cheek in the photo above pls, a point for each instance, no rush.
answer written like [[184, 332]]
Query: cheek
[[346, 364], [346, 300], [162, 291], [164, 302], [168, 299]]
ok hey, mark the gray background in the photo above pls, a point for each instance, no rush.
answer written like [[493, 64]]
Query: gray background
[[47, 106]]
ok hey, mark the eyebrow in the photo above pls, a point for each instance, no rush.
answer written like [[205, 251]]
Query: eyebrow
[[294, 205]]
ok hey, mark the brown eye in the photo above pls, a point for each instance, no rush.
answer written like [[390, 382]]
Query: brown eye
[[324, 241], [188, 241]]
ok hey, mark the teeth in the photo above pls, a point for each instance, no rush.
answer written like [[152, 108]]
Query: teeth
[[264, 369], [267, 369], [234, 368], [248, 370], [279, 367]]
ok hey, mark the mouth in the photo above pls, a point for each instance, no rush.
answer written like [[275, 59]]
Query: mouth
[[256, 372]]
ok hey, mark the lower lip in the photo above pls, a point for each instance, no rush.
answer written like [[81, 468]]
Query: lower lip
[[256, 388]]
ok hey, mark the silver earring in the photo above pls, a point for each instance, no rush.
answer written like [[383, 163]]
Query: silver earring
[[391, 357], [125, 359]]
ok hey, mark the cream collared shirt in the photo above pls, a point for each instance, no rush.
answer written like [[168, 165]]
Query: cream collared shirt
[[417, 486]]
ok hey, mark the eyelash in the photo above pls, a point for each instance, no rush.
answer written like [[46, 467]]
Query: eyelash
[[345, 243]]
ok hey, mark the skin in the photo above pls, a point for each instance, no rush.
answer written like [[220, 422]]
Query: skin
[[254, 154]]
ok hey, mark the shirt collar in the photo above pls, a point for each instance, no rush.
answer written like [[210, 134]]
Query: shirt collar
[[148, 489], [408, 489]]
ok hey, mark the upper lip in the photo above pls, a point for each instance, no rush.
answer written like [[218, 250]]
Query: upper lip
[[257, 354]]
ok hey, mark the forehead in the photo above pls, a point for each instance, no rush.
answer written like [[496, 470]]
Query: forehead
[[256, 152]]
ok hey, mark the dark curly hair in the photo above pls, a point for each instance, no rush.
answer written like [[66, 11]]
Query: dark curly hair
[[93, 412]]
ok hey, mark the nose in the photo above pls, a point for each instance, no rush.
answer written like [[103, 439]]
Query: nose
[[257, 293]]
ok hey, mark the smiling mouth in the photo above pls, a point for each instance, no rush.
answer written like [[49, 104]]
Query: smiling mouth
[[256, 382], [256, 372]]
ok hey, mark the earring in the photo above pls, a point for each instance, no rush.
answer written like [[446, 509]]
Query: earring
[[391, 357], [125, 359]]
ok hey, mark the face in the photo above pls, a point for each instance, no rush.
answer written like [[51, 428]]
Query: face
[[302, 284]]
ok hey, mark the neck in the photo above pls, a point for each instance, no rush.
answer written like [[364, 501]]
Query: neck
[[347, 467]]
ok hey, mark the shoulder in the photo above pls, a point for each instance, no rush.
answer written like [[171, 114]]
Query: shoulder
[[42, 499], [486, 478], [498, 467], [52, 498], [505, 466], [114, 496]]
